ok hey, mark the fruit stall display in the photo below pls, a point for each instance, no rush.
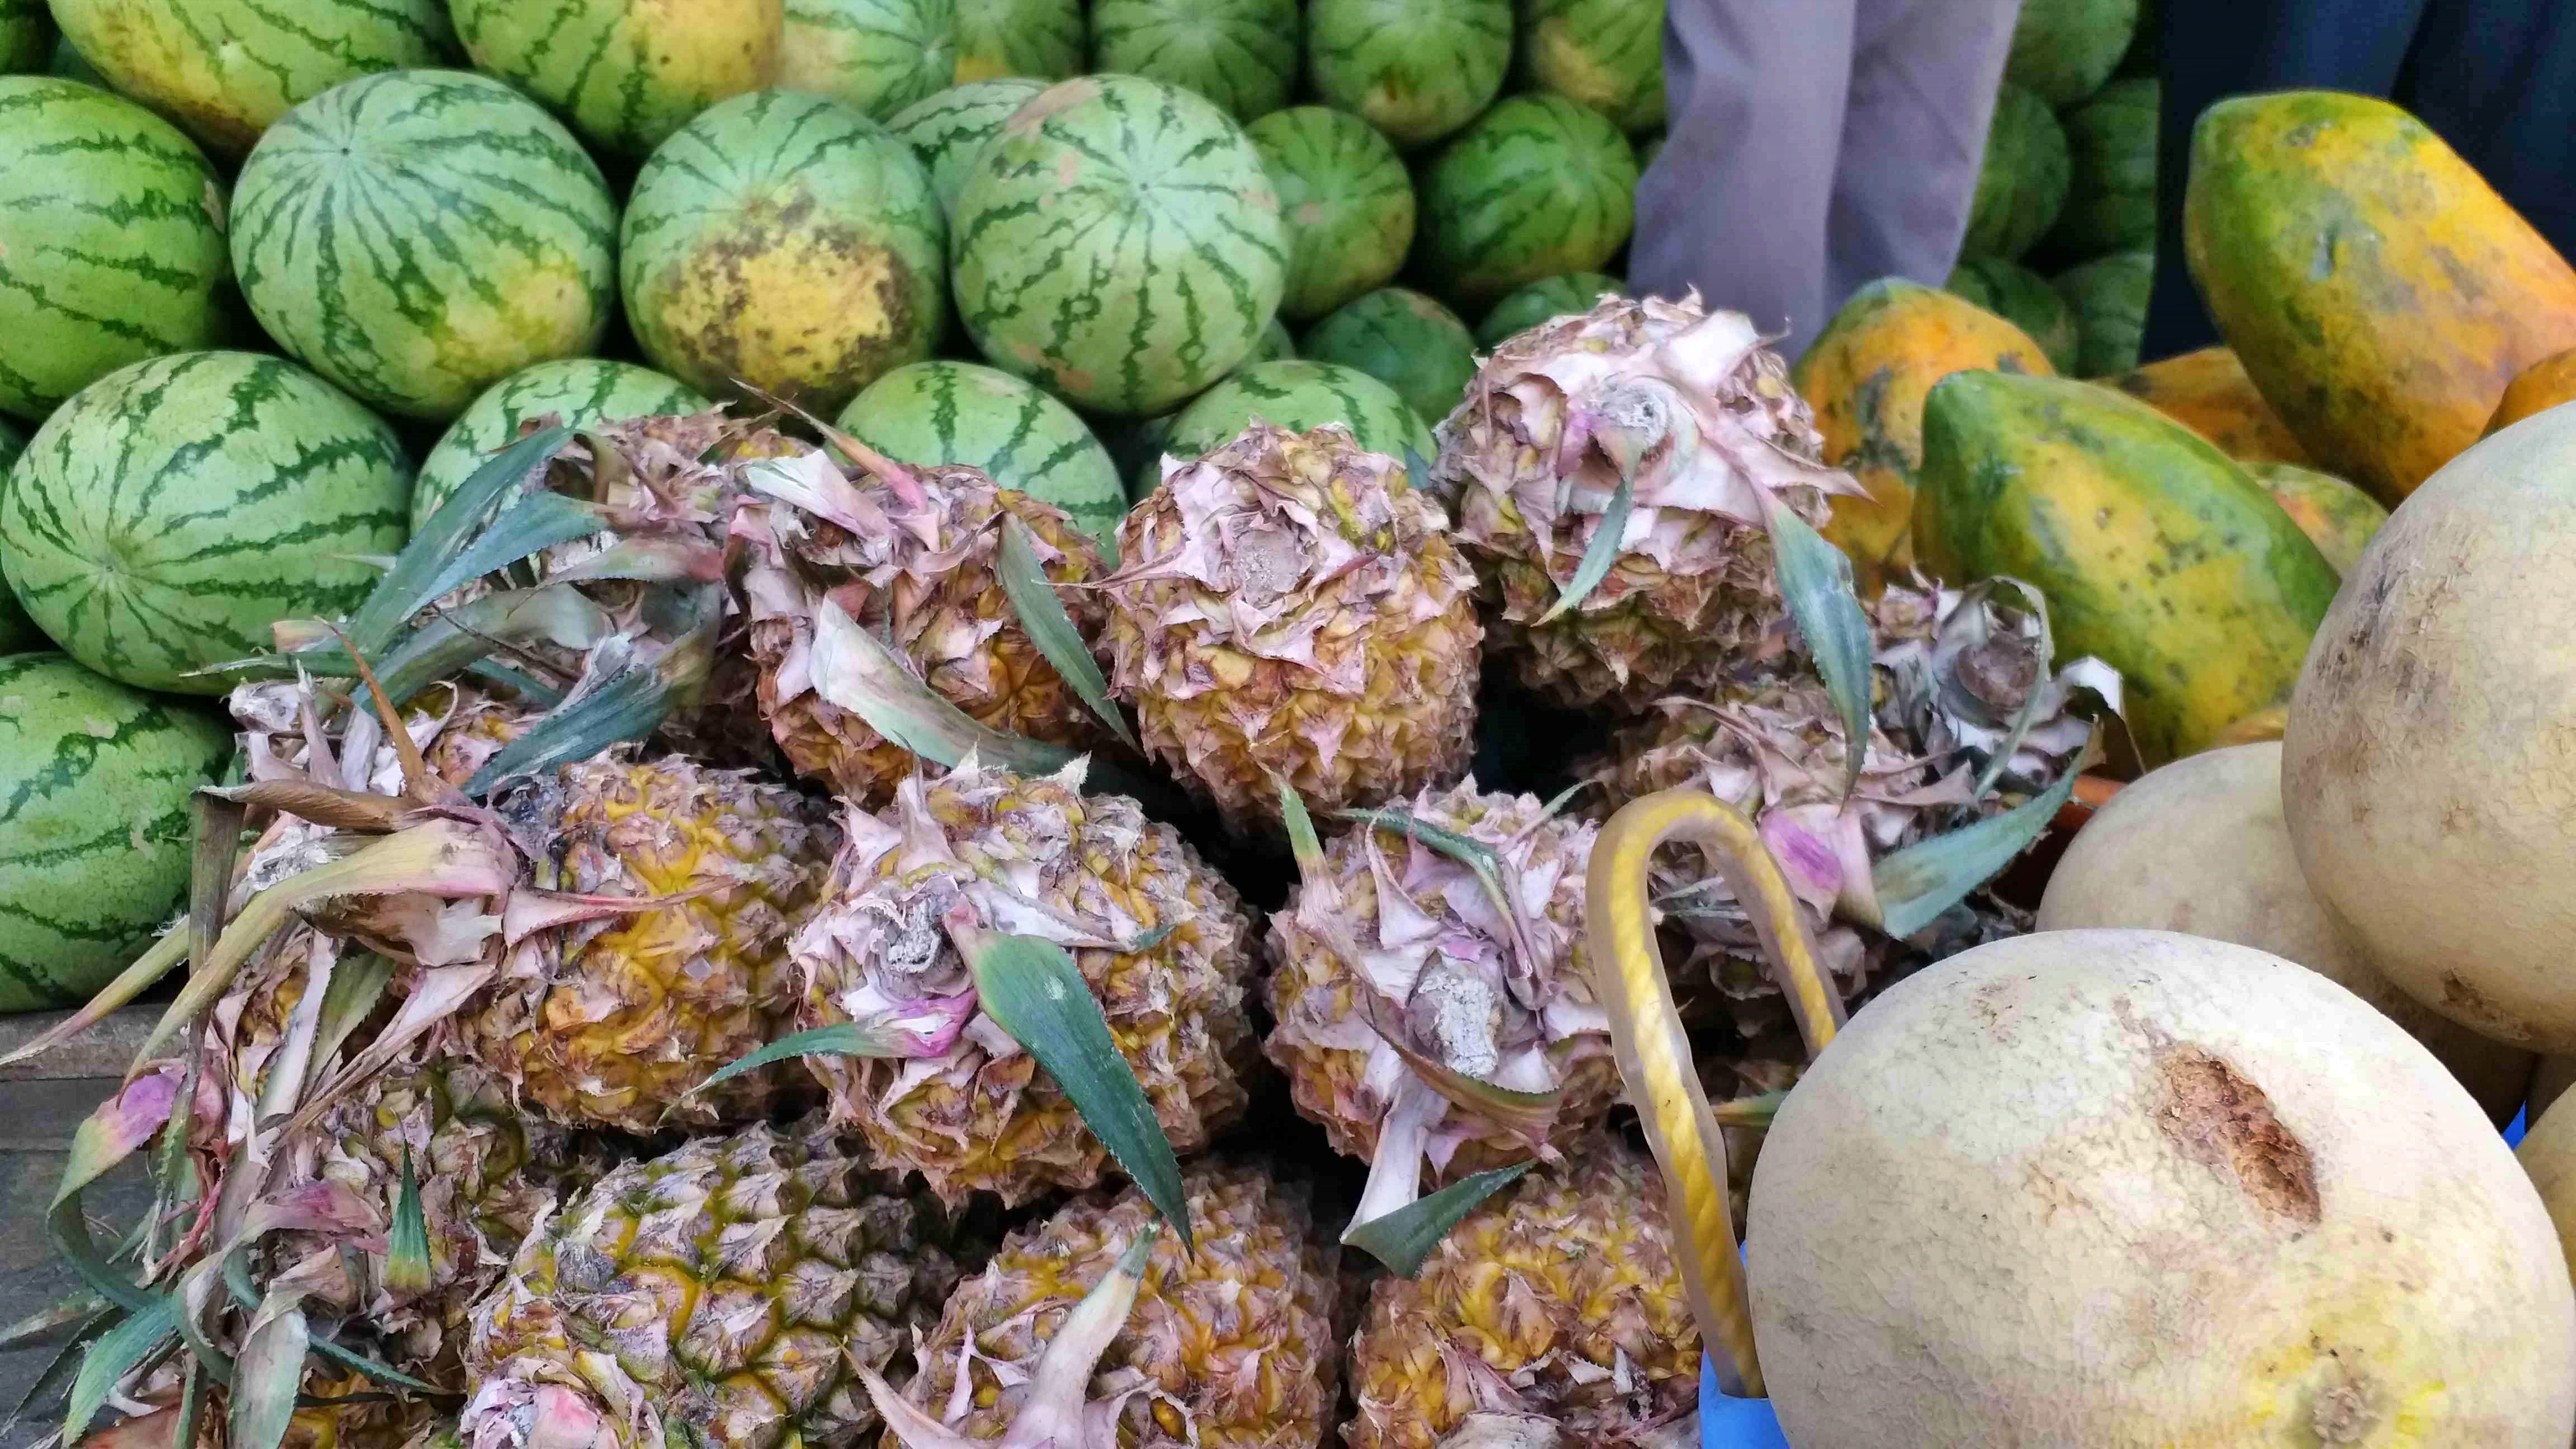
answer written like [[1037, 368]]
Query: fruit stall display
[[922, 722]]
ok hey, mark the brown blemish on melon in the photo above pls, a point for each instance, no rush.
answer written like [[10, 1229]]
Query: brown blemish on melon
[[2220, 1119]]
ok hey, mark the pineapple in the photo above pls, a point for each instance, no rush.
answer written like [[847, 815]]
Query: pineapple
[[1552, 1314], [1162, 939], [728, 1293], [1498, 990], [1227, 1347], [912, 555], [1290, 607], [349, 1412], [1699, 416]]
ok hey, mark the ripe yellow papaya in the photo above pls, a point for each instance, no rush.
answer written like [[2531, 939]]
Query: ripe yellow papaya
[[2337, 517], [2543, 385], [2378, 291], [1865, 376], [2208, 392], [2156, 553]]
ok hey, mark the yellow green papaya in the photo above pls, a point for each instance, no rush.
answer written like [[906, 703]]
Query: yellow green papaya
[[2337, 517], [2542, 386], [2208, 392], [1865, 376], [2156, 553], [2378, 291]]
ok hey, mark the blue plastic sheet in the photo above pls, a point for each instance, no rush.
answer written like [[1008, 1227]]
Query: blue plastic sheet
[[1726, 1423]]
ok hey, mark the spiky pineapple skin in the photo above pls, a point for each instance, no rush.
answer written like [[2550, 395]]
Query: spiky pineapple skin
[[617, 1022], [1292, 609], [1233, 1344], [1313, 992], [720, 1295], [1561, 1289], [969, 1120]]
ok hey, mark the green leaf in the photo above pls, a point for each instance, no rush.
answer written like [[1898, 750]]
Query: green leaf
[[1816, 582], [454, 639], [1417, 473], [1031, 989], [1048, 626], [1598, 555], [266, 1376], [1755, 1111], [407, 1246], [1302, 840], [537, 522], [444, 534], [863, 674], [120, 1349], [1916, 884], [840, 1039], [630, 705], [1404, 1238]]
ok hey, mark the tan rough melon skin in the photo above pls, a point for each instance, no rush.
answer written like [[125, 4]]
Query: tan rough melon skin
[[2199, 846], [2140, 1190], [2548, 1153], [2428, 772]]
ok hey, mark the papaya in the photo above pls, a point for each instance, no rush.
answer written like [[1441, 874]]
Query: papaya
[[1865, 377], [2156, 553], [2208, 392], [2026, 300], [2378, 291], [2544, 384], [2337, 517]]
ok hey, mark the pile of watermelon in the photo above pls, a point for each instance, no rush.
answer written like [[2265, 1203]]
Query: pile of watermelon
[[275, 276], [2061, 239]]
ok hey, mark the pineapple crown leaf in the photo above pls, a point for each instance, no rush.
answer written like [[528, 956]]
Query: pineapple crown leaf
[[927, 1027], [1403, 1239], [869, 677], [1755, 1111], [905, 482], [1816, 584], [267, 1373], [111, 1356], [1602, 553], [448, 532], [407, 1266], [1916, 884], [164, 955], [620, 698], [1302, 840], [1042, 617]]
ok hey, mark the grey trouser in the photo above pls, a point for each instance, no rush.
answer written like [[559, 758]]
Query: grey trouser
[[1814, 147]]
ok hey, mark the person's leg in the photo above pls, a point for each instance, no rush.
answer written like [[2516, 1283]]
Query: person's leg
[[2497, 79], [1736, 204], [2220, 48], [1923, 83]]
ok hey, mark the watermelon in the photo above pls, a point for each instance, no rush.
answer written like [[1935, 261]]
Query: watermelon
[[957, 412], [626, 76], [69, 65], [877, 55], [788, 241], [1344, 201], [1241, 54], [2023, 181], [1036, 39], [26, 37], [1275, 346], [2063, 50], [1606, 54], [1119, 242], [1297, 395], [1539, 185], [1403, 339], [1416, 69], [2147, 50], [226, 71], [2109, 297], [167, 515], [1544, 300], [95, 824], [2025, 299], [108, 261], [948, 130], [577, 391], [18, 633], [417, 235], [1649, 146], [2111, 192]]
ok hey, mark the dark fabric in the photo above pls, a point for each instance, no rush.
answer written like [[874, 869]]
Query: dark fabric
[[2495, 78]]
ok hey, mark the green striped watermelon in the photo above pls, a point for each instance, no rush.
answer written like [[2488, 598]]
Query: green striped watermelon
[[948, 131], [2109, 295], [625, 75], [1298, 395], [96, 823], [1345, 203], [2111, 193], [2022, 182], [1417, 69], [957, 412], [417, 235], [1544, 300], [26, 37], [1403, 339], [1607, 54], [69, 65], [1120, 241], [2063, 50], [1035, 39], [226, 69], [18, 633], [1241, 54], [877, 55], [1275, 345], [787, 241], [577, 391], [168, 514], [1539, 185], [2026, 300], [104, 260]]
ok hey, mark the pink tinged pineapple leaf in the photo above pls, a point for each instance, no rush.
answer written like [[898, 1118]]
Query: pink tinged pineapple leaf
[[1816, 584], [865, 675], [267, 1373], [925, 1026], [1042, 617]]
